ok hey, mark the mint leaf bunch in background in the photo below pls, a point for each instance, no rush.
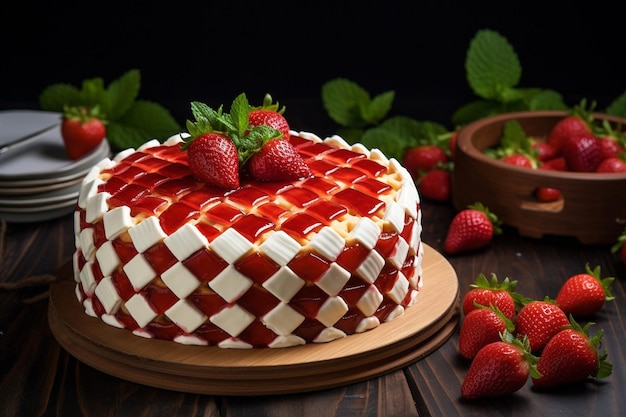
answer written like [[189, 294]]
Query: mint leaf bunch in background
[[493, 72], [130, 121], [364, 119]]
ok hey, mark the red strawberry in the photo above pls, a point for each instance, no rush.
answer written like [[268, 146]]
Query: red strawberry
[[578, 122], [555, 164], [519, 160], [539, 321], [213, 158], [435, 185], [269, 115], [421, 159], [544, 150], [612, 164], [547, 194], [278, 160], [582, 295], [620, 246], [610, 146], [82, 129], [485, 293], [471, 229], [582, 153], [498, 369], [483, 325], [571, 356]]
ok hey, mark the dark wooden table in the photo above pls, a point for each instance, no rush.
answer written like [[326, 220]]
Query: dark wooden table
[[39, 378]]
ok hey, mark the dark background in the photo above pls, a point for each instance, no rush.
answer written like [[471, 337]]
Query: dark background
[[212, 51]]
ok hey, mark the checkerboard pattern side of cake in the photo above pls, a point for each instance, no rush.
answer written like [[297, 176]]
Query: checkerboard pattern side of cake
[[267, 265]]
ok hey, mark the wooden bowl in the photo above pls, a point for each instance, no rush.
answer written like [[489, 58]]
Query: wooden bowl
[[592, 208]]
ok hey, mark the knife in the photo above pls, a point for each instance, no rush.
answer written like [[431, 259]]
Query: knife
[[17, 143]]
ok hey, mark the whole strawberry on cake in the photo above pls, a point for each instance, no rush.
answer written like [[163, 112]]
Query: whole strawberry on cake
[[242, 233]]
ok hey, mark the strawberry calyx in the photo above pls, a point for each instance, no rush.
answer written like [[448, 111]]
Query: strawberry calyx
[[522, 343], [605, 282], [248, 139], [269, 104], [83, 113], [492, 217], [621, 241], [494, 284]]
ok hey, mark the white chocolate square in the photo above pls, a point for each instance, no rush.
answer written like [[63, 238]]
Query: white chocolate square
[[399, 289], [139, 272], [395, 216], [280, 247], [186, 316], [117, 221], [333, 279], [283, 319], [399, 253], [332, 310], [371, 267], [96, 207], [230, 245], [180, 280], [185, 241], [230, 284], [233, 320], [146, 234], [328, 243], [284, 284], [369, 301], [366, 232], [107, 258], [140, 310], [108, 296]]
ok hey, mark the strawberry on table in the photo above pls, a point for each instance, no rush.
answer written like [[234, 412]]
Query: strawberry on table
[[471, 229], [482, 326], [496, 293], [570, 357], [82, 130], [421, 159], [499, 368], [584, 294], [435, 184], [539, 321]]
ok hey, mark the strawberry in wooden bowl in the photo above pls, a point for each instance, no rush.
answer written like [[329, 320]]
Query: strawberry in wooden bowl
[[572, 185]]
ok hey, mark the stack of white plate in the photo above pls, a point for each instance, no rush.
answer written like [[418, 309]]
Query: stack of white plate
[[38, 181]]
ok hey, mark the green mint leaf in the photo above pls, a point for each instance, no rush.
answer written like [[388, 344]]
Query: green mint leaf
[[514, 138], [546, 100], [387, 141], [343, 100], [618, 106], [475, 110], [121, 94], [56, 96], [239, 112], [376, 110], [491, 65], [93, 93], [144, 120]]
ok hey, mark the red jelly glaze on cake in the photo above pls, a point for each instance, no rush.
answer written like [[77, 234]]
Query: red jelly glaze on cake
[[155, 181]]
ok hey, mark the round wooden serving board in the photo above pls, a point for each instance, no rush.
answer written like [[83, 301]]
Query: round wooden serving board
[[212, 370]]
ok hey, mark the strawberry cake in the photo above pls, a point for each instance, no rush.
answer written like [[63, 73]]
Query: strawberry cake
[[268, 264]]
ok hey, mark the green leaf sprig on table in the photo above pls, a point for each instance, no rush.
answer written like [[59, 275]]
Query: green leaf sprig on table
[[130, 121]]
